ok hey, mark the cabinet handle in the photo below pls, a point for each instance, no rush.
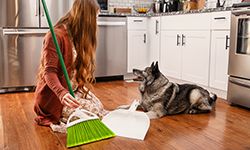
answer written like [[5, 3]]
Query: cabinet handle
[[138, 20], [219, 18], [227, 43], [178, 41], [183, 36], [144, 38], [156, 30]]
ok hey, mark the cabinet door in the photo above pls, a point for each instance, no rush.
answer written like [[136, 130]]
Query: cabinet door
[[170, 58], [136, 50], [153, 39], [219, 59], [195, 62]]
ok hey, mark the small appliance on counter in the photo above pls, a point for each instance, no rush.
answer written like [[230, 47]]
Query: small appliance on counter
[[166, 6], [156, 6], [104, 5], [219, 5]]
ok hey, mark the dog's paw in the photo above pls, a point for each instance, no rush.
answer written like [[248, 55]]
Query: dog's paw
[[123, 107], [152, 115], [193, 111]]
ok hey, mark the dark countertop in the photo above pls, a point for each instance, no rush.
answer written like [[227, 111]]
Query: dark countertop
[[151, 14]]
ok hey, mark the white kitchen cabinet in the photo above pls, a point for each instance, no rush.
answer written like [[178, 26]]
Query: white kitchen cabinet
[[153, 39], [171, 54], [220, 50], [137, 40], [185, 55], [185, 47], [219, 59], [195, 56], [137, 50]]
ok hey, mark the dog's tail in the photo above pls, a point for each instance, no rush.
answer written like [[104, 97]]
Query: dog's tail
[[213, 98]]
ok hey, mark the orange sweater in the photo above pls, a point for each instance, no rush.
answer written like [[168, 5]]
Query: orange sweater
[[48, 95]]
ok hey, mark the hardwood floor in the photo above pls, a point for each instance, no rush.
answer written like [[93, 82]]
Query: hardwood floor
[[227, 127]]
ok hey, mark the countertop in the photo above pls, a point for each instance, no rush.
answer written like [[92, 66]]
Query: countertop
[[151, 14]]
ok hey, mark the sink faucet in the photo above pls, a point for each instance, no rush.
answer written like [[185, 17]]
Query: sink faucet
[[218, 4]]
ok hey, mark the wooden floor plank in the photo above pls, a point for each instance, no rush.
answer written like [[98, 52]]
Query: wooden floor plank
[[19, 136], [43, 136], [2, 137], [226, 127]]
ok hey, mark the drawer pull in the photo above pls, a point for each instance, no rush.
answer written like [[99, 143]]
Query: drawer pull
[[219, 18], [138, 20]]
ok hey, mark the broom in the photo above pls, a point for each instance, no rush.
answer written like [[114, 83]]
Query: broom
[[87, 128]]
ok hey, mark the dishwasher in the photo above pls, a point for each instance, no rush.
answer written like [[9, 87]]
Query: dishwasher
[[111, 53]]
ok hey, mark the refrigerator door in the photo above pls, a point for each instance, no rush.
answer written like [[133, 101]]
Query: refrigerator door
[[20, 52], [19, 13], [56, 8]]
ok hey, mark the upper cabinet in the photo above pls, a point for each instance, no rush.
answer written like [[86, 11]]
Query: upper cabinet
[[185, 45]]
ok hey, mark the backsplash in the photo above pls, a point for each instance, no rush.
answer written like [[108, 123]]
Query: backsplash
[[130, 3], [212, 3]]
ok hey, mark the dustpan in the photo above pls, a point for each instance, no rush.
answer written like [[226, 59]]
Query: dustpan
[[128, 123]]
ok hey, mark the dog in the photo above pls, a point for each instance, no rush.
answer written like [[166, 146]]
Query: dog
[[160, 97]]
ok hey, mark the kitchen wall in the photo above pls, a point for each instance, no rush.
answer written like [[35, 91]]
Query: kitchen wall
[[130, 3]]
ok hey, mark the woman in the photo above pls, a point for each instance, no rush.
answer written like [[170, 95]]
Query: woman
[[76, 34]]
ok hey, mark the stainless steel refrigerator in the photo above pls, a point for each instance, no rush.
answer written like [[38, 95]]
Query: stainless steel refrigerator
[[23, 25]]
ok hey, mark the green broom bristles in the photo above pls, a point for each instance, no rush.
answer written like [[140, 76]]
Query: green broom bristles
[[87, 132]]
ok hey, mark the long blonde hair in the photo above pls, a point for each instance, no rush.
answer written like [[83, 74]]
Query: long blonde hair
[[81, 19]]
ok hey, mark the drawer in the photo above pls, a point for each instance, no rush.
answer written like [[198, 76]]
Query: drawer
[[221, 20], [187, 21], [136, 23]]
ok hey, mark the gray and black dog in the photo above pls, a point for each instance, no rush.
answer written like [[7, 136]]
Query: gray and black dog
[[160, 97]]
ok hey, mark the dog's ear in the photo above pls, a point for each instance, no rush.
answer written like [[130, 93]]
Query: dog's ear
[[152, 65], [156, 68]]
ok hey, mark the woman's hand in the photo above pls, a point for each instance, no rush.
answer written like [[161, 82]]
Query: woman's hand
[[70, 101]]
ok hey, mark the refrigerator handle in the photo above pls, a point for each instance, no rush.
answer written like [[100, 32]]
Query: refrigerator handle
[[37, 8], [23, 32], [41, 8]]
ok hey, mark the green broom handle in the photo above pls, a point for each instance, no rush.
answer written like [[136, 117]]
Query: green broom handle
[[58, 49]]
